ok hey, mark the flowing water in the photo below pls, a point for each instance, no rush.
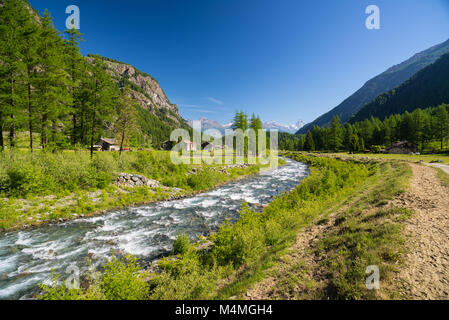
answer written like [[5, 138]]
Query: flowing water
[[28, 257]]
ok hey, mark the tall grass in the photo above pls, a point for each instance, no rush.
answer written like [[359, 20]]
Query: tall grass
[[242, 248], [23, 173]]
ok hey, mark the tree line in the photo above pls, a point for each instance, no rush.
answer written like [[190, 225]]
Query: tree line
[[48, 87], [422, 126]]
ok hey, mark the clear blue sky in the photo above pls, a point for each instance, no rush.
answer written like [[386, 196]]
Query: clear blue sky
[[284, 60]]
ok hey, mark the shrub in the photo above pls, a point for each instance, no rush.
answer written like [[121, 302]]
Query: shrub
[[181, 244], [123, 280], [239, 243]]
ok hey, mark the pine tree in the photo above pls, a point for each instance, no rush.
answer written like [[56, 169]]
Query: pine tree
[[28, 47], [240, 121], [126, 117], [361, 144], [11, 68], [442, 124], [335, 134], [256, 125], [309, 144], [354, 145], [103, 100], [52, 82], [74, 63]]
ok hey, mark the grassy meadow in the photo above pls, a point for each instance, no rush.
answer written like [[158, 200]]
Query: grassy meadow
[[428, 158]]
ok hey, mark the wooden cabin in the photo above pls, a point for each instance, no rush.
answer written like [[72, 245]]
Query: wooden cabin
[[108, 144]]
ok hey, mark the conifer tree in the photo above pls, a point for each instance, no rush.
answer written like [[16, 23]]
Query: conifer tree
[[126, 117], [11, 67], [102, 100], [309, 144], [335, 134], [52, 82], [74, 62], [256, 125], [442, 124], [28, 47]]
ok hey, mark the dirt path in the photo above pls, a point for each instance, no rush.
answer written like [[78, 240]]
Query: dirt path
[[426, 271], [426, 275], [444, 167]]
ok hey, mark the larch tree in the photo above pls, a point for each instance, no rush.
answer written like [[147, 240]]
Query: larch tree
[[126, 119], [102, 100], [11, 68], [442, 124], [309, 144], [28, 47], [335, 134], [73, 66], [52, 82]]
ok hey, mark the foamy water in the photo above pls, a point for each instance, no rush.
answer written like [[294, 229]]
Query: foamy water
[[27, 257]]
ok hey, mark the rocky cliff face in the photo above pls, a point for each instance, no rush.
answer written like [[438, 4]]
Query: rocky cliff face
[[145, 90]]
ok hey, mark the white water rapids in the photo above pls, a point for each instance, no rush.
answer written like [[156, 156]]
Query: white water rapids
[[28, 256]]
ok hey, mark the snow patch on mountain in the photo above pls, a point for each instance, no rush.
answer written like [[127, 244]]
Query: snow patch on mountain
[[269, 125]]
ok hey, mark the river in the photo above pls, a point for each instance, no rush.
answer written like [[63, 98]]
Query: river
[[28, 256]]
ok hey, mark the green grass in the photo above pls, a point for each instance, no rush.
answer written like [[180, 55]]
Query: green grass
[[42, 187], [240, 252], [443, 176], [405, 157], [367, 234]]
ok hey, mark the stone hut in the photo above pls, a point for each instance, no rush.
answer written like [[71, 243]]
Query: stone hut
[[403, 147]]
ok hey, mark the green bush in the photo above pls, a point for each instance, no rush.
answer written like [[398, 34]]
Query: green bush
[[121, 279], [241, 242], [181, 244]]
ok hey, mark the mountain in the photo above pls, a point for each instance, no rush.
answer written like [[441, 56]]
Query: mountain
[[427, 88], [157, 117], [382, 83], [212, 124], [291, 128]]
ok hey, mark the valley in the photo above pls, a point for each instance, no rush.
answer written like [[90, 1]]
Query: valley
[[109, 190]]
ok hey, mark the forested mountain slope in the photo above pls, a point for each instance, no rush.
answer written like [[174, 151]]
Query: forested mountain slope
[[384, 82], [157, 117], [48, 88], [428, 88]]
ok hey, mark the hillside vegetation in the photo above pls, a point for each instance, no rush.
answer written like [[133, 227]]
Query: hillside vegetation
[[48, 88], [384, 82], [239, 254], [46, 187], [427, 88]]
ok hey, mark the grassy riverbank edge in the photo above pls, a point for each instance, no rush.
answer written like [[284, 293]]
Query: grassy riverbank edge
[[112, 198], [330, 259], [228, 263], [231, 259]]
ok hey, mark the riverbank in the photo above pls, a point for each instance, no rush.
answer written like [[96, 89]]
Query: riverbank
[[329, 258], [224, 265], [28, 202], [148, 232]]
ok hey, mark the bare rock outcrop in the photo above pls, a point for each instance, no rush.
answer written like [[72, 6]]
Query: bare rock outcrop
[[135, 180]]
